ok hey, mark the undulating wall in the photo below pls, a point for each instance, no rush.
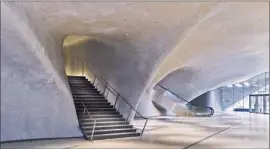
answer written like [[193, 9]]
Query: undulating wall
[[126, 51], [129, 42], [35, 102]]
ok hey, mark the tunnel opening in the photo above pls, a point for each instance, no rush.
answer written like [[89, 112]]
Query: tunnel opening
[[102, 112], [74, 58]]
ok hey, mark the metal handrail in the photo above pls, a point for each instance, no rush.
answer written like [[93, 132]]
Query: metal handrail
[[189, 105], [86, 110], [113, 91]]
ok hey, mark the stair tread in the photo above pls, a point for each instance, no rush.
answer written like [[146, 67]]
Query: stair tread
[[104, 130], [94, 117], [111, 122], [94, 114], [94, 108], [117, 125], [95, 103], [90, 100], [91, 97], [103, 118], [116, 134]]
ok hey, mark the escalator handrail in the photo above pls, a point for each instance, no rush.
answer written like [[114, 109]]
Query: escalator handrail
[[212, 111]]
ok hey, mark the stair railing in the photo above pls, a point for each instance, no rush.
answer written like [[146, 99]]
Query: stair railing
[[98, 80], [198, 110], [85, 110]]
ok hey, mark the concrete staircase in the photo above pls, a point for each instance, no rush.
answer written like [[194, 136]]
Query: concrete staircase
[[92, 106]]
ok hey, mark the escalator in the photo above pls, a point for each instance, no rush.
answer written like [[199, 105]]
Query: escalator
[[194, 110]]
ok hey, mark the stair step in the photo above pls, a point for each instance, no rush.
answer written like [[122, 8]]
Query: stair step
[[86, 93], [98, 113], [110, 131], [103, 116], [87, 128], [76, 77], [90, 97], [80, 79], [85, 102], [91, 100], [93, 106], [90, 90], [85, 90], [101, 119], [93, 103], [77, 89], [114, 135], [96, 109], [81, 86], [104, 123], [80, 83]]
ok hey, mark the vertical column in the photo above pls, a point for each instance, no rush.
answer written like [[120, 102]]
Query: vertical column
[[250, 99], [256, 104], [264, 104]]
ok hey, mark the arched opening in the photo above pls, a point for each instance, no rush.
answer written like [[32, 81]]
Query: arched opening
[[76, 55], [102, 112]]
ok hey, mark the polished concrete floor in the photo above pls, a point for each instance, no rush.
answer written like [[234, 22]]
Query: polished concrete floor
[[237, 130]]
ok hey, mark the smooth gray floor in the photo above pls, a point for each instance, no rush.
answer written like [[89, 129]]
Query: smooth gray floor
[[226, 131]]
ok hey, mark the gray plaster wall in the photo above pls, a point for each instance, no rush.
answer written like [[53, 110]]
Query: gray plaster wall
[[34, 82], [35, 102], [129, 43]]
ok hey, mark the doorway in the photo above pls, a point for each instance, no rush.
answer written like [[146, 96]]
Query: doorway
[[259, 103]]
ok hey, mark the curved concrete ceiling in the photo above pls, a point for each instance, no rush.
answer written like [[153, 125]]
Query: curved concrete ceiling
[[226, 47], [142, 33], [131, 39]]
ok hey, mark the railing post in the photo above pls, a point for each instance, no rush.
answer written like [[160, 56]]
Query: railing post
[[105, 88], [93, 130], [129, 114], [97, 84], [83, 111], [116, 100], [144, 126], [107, 95], [94, 80]]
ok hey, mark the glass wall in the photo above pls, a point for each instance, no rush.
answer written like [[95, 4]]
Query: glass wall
[[259, 103], [236, 96]]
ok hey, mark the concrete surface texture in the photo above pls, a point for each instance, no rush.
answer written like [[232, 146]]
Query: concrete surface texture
[[226, 131], [226, 47], [128, 44]]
